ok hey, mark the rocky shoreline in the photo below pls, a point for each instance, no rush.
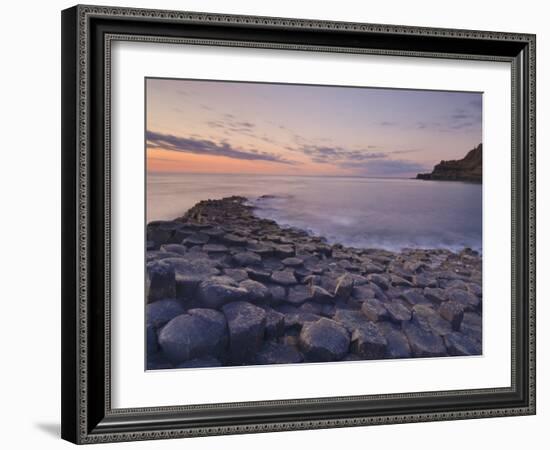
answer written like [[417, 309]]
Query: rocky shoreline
[[469, 168], [225, 288]]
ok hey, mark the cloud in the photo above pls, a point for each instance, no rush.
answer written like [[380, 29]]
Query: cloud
[[208, 147], [329, 154], [386, 123], [385, 167]]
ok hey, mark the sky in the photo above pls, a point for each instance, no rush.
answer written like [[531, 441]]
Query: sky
[[196, 126]]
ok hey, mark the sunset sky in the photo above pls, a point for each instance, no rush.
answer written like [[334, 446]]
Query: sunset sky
[[235, 127]]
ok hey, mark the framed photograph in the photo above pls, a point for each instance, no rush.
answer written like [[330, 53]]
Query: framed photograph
[[279, 224]]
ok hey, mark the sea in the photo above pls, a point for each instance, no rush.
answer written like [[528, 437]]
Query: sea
[[388, 213]]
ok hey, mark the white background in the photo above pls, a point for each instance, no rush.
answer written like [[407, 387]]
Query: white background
[[30, 190], [132, 387]]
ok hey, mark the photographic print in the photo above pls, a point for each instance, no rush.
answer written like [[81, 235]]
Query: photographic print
[[291, 224]]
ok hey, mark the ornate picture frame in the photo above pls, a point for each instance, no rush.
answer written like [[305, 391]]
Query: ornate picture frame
[[88, 33]]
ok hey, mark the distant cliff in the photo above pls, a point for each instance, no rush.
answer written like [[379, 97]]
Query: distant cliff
[[465, 169]]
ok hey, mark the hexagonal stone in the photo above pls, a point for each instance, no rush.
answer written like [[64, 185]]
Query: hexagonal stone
[[217, 291], [423, 281], [397, 311], [190, 336], [470, 301], [215, 248], [398, 344], [423, 343], [381, 281], [453, 312], [258, 274], [275, 353], [368, 342], [257, 292], [350, 319], [435, 295], [324, 340], [246, 323], [339, 285], [160, 281], [173, 248], [296, 320], [274, 324], [283, 251], [459, 344], [284, 277], [471, 325], [237, 275], [162, 311], [232, 239], [430, 320], [247, 259], [299, 294], [293, 262], [374, 310], [196, 239], [363, 292]]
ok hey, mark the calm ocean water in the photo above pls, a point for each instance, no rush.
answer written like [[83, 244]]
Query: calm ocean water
[[358, 212]]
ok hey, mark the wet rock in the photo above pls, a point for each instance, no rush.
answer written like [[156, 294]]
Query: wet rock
[[324, 340], [430, 320], [381, 281], [160, 281], [284, 277], [459, 344], [274, 324], [197, 363], [190, 336], [189, 272], [217, 291], [247, 259], [246, 323], [161, 312], [273, 264], [257, 292], [368, 342], [196, 239], [435, 295], [457, 284], [374, 310], [452, 312], [397, 311], [178, 249], [237, 275], [475, 289], [299, 294], [278, 353], [423, 343]]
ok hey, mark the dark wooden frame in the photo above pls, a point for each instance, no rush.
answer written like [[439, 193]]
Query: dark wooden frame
[[87, 32]]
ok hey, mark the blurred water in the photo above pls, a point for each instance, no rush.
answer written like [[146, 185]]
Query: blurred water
[[359, 212]]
